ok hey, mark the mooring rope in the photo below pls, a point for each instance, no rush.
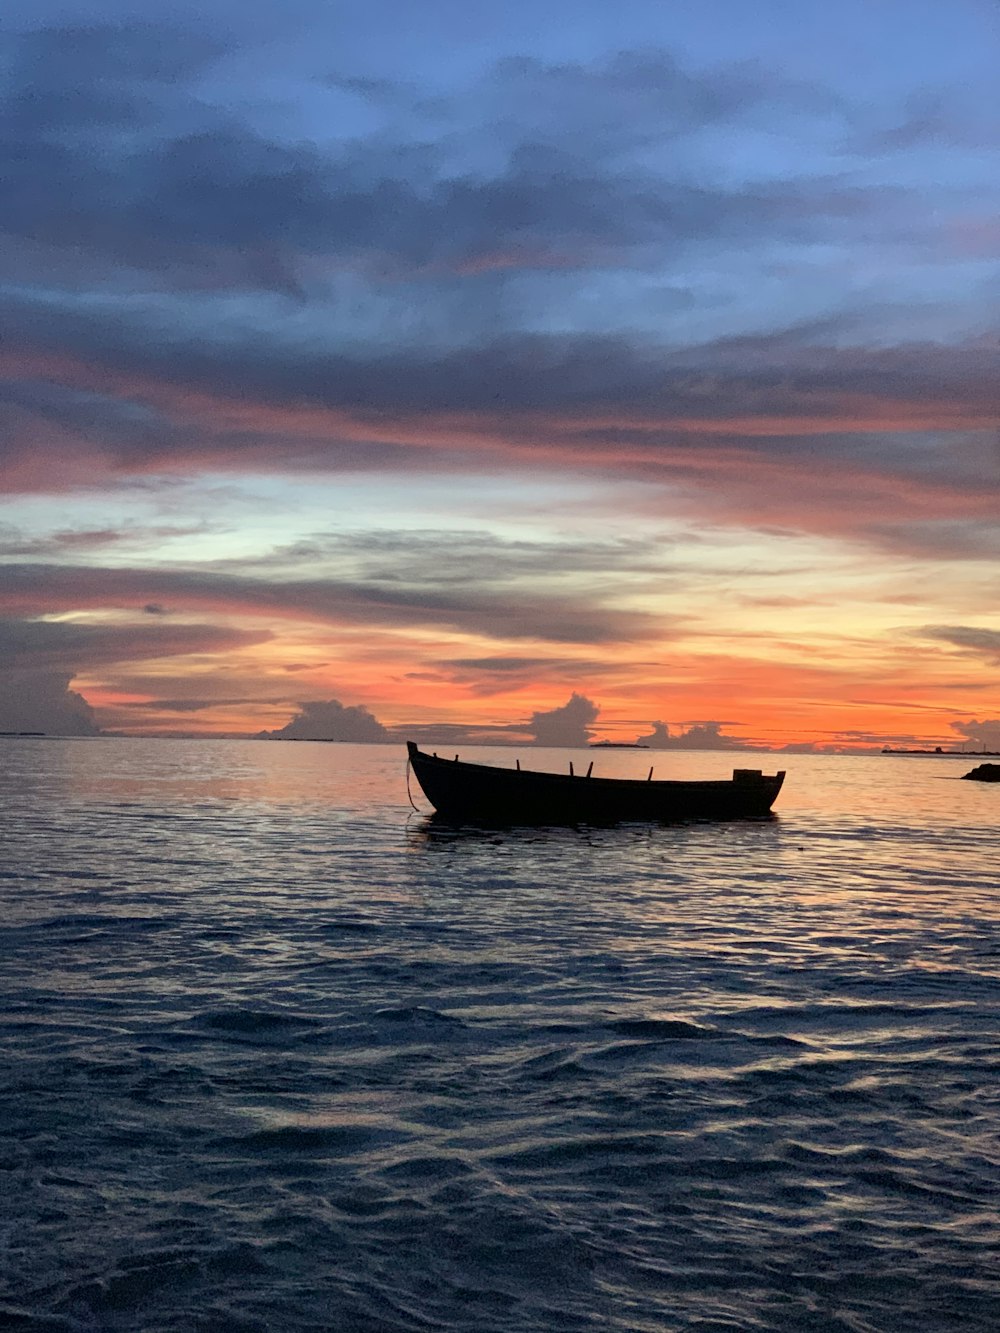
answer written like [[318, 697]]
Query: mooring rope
[[409, 797]]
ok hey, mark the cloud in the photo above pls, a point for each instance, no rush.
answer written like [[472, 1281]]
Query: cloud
[[202, 294], [567, 725], [698, 736], [60, 646], [984, 733], [66, 543], [547, 163], [558, 614], [658, 739], [972, 639], [928, 119], [112, 374], [462, 557], [39, 659], [151, 706], [42, 701], [330, 720], [515, 665], [893, 446], [693, 291], [490, 675]]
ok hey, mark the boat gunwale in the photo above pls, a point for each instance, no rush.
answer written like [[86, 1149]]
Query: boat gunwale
[[616, 784]]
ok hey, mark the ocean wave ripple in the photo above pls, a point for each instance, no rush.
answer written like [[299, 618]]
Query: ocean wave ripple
[[284, 1072]]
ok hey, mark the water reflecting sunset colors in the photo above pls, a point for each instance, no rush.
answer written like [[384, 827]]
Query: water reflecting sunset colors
[[279, 1052]]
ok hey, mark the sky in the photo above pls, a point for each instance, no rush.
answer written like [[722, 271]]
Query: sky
[[550, 370]]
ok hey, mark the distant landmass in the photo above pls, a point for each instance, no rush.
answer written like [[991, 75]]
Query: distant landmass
[[940, 753]]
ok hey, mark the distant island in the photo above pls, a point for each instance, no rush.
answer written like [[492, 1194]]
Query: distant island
[[940, 753], [617, 745]]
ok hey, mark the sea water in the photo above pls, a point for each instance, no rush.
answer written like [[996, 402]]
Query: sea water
[[279, 1054]]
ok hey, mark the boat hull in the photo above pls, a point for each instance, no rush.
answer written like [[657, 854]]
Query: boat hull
[[478, 793]]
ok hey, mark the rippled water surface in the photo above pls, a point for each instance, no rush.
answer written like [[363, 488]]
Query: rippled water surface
[[278, 1054]]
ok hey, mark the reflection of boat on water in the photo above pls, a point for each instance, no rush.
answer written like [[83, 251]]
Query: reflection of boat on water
[[481, 793]]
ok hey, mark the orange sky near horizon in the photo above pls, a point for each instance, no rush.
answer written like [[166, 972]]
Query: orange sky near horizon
[[830, 686]]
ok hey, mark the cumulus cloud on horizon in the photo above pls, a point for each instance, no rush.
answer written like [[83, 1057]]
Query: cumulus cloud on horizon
[[568, 725], [697, 736], [42, 701], [330, 720], [983, 733]]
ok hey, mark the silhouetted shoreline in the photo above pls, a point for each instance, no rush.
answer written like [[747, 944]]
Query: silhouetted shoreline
[[945, 754]]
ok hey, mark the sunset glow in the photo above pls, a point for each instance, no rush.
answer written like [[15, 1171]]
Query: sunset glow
[[438, 372]]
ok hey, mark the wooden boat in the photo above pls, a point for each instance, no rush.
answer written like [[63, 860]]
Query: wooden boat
[[479, 793]]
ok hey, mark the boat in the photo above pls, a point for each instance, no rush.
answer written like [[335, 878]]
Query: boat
[[461, 792], [984, 773]]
